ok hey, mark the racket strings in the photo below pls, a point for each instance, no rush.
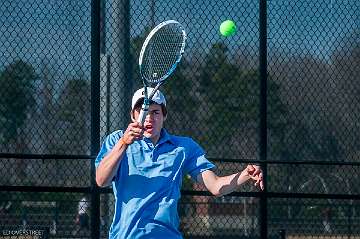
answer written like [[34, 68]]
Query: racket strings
[[162, 53]]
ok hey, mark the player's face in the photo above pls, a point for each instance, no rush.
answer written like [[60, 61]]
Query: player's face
[[153, 122]]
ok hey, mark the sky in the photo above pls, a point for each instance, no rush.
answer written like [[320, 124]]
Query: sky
[[59, 31], [315, 27], [38, 31]]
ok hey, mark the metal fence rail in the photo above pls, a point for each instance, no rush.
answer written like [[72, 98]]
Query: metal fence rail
[[305, 210]]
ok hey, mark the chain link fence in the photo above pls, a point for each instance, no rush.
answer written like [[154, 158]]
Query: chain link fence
[[313, 106]]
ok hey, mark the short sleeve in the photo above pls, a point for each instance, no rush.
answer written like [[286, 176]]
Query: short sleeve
[[196, 163], [107, 145]]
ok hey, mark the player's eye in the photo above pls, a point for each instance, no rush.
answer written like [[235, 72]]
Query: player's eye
[[155, 112]]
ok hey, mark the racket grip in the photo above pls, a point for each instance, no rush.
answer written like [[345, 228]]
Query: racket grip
[[143, 112]]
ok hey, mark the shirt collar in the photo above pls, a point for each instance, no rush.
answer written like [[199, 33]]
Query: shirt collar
[[165, 136]]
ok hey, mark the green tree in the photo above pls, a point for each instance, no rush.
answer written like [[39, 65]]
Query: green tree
[[346, 98], [180, 100], [73, 115], [16, 98], [72, 132], [231, 104], [136, 44]]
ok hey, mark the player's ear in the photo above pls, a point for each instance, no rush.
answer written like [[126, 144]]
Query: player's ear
[[132, 116], [164, 111]]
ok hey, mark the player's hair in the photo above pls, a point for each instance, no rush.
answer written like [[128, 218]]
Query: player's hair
[[140, 102]]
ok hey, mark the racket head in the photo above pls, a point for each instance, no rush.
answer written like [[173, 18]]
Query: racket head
[[161, 52]]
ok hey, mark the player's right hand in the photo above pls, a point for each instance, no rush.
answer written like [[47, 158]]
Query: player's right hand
[[133, 132]]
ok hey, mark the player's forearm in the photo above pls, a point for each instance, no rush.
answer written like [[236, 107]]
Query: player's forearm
[[108, 166], [231, 183]]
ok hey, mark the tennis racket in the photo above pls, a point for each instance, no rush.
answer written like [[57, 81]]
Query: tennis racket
[[160, 54]]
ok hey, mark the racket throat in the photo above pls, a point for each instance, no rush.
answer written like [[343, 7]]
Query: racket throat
[[144, 111]]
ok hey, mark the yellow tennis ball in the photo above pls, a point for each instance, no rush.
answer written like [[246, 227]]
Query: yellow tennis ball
[[227, 28]]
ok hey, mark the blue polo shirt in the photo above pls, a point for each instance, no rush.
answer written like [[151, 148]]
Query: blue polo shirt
[[147, 184]]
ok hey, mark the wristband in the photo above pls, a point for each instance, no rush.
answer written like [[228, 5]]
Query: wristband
[[123, 141]]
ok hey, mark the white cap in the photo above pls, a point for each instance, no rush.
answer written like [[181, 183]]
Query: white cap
[[158, 97]]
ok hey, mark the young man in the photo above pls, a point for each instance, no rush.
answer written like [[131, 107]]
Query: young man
[[145, 165]]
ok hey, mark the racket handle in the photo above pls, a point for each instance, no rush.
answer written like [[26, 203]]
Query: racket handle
[[143, 112]]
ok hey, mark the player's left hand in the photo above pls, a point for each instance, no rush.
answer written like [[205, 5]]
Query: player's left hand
[[255, 173]]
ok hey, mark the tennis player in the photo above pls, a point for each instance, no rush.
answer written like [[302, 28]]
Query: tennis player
[[145, 165]]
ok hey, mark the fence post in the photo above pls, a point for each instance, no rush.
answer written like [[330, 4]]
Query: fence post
[[263, 112], [95, 115]]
